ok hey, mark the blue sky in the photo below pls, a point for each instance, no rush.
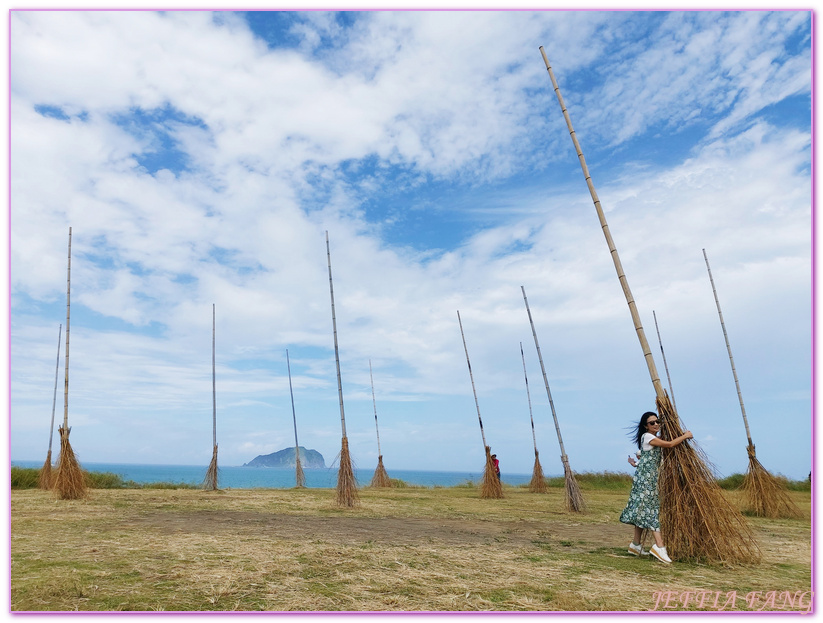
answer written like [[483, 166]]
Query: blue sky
[[199, 157]]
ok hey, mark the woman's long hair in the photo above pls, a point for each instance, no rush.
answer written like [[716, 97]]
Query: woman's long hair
[[637, 435]]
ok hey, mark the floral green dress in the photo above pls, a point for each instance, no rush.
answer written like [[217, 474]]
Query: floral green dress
[[643, 509]]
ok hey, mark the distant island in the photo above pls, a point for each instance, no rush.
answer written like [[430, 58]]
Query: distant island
[[309, 459]]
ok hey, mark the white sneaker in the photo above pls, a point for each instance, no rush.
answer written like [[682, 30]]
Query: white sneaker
[[635, 550], [661, 554], [644, 552]]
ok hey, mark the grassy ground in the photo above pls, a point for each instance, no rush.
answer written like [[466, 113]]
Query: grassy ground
[[413, 549]]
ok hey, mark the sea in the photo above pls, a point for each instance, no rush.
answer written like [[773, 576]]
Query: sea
[[240, 477]]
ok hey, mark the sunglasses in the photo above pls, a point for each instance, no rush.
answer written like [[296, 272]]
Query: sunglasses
[[652, 422]]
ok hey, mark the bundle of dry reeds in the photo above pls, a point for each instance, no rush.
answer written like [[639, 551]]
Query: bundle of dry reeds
[[381, 476], [44, 478], [299, 475], [538, 482], [490, 485], [346, 483], [696, 519], [763, 494], [69, 480], [210, 481], [574, 498]]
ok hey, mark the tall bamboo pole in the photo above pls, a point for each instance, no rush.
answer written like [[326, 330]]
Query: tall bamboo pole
[[299, 476], [346, 483], [665, 365], [490, 486], [574, 498], [381, 477], [764, 495], [699, 521], [538, 482], [44, 478], [210, 482], [69, 481]]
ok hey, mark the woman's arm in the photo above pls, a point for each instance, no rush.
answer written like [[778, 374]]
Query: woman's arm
[[662, 443]]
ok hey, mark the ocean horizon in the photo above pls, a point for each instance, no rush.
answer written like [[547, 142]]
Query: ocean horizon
[[243, 477]]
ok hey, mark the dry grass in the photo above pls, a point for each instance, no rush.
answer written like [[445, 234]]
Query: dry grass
[[490, 485], [538, 482], [381, 477], [696, 519], [210, 481], [763, 494], [69, 481], [346, 482], [413, 550], [45, 477]]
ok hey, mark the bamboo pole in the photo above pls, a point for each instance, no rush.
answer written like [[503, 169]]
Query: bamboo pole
[[210, 481], [69, 481], [763, 494], [45, 477], [490, 486], [538, 482], [381, 476], [698, 520], [346, 483], [574, 498], [299, 475], [665, 365]]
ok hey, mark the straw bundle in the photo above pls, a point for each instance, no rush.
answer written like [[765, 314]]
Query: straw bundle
[[381, 476], [69, 481], [696, 519], [346, 483], [44, 478], [763, 494], [210, 481], [574, 499], [299, 474], [490, 485], [538, 482]]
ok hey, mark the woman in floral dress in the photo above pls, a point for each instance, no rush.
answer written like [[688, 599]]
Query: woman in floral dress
[[643, 509]]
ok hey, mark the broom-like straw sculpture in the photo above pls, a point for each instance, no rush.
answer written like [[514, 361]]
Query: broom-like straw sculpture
[[381, 477], [44, 478], [696, 519], [538, 483], [490, 485], [763, 494], [574, 499], [210, 481], [346, 483], [299, 476], [665, 365], [69, 480]]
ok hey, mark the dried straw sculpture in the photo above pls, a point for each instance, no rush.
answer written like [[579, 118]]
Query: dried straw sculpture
[[695, 517], [346, 483], [381, 476], [538, 482], [574, 498], [763, 494], [210, 481], [490, 485], [68, 481], [299, 475], [44, 478]]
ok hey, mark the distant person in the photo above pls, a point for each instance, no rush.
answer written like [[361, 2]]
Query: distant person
[[643, 508], [496, 465]]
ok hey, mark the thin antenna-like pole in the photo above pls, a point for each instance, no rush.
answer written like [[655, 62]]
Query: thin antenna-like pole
[[471, 376], [374, 402], [300, 477], [665, 365], [644, 344], [336, 352], [213, 376], [729, 349], [68, 317], [54, 399], [528, 396]]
